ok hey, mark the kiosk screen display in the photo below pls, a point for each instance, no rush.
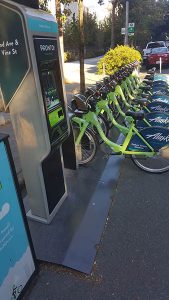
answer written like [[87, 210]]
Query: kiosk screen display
[[52, 89]]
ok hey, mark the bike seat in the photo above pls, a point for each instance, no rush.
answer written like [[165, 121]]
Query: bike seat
[[78, 113], [151, 71], [148, 81], [141, 101], [136, 115], [147, 87], [89, 92], [70, 114], [149, 77], [80, 102]]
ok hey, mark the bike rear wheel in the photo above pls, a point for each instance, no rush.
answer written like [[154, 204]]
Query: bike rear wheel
[[87, 148], [156, 164]]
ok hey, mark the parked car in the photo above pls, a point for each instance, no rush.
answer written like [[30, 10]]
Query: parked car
[[150, 46], [153, 58]]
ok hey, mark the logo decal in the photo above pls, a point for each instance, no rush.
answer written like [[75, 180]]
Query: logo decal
[[158, 136], [160, 120], [161, 109]]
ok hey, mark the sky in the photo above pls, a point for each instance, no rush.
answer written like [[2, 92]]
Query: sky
[[101, 10]]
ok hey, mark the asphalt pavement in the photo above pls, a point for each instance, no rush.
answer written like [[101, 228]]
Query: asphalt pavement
[[132, 257]]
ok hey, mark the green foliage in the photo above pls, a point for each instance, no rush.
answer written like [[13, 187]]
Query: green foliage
[[71, 35], [43, 4], [116, 58], [91, 30], [67, 56], [147, 15]]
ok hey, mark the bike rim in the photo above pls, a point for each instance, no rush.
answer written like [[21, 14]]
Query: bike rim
[[87, 148], [155, 164]]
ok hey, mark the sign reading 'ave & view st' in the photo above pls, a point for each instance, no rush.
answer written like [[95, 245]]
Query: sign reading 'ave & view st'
[[13, 54]]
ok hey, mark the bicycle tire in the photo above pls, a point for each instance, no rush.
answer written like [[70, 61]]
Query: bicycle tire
[[86, 150], [155, 165]]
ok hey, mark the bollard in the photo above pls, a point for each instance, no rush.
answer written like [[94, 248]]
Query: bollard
[[104, 72], [160, 65]]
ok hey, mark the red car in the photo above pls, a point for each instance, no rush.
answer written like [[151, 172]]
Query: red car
[[155, 55]]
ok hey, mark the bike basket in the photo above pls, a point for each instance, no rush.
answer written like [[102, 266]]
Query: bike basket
[[164, 152]]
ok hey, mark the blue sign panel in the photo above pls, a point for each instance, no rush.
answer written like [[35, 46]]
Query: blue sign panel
[[16, 261], [157, 137], [40, 25]]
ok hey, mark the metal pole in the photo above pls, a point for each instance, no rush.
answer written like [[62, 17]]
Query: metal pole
[[160, 65], [127, 23], [112, 23]]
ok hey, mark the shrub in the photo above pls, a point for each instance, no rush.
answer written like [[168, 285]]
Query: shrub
[[67, 56], [116, 58]]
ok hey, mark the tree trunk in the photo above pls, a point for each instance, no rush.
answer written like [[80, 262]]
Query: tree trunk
[[112, 24], [81, 47], [58, 17], [60, 28]]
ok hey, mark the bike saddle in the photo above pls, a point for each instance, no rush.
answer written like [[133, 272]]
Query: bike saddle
[[147, 87], [149, 77], [141, 101], [81, 103], [148, 81], [106, 80], [99, 85], [151, 71], [71, 115], [136, 115], [112, 87], [90, 92], [112, 77], [104, 92], [78, 113]]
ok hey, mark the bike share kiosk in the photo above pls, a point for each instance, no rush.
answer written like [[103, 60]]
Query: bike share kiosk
[[32, 87]]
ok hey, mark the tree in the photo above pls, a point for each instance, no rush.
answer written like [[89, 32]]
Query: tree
[[115, 5], [153, 12], [81, 46], [93, 35], [43, 4]]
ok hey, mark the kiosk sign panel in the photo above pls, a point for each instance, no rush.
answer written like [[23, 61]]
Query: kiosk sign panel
[[13, 54], [16, 260]]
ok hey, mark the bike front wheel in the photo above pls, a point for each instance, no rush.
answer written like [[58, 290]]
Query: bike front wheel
[[87, 148], [156, 164]]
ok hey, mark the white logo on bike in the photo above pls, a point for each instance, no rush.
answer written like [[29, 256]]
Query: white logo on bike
[[160, 120], [161, 100], [158, 136], [159, 93], [159, 108]]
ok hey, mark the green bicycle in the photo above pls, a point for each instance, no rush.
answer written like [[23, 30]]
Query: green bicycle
[[148, 148]]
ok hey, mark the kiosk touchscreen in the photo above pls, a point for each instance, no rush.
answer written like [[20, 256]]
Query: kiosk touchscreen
[[33, 89]]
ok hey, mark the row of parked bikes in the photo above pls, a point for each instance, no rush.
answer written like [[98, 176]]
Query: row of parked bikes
[[139, 109]]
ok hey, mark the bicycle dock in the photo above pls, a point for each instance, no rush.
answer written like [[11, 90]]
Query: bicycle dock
[[73, 236]]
